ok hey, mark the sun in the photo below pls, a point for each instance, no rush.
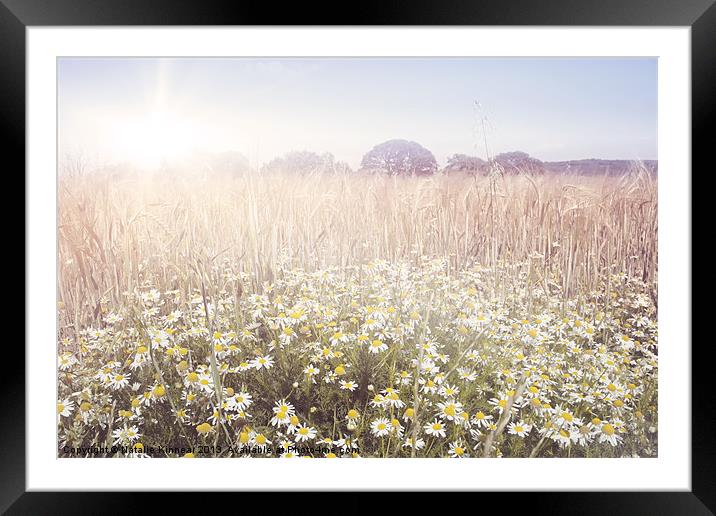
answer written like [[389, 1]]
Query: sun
[[152, 138]]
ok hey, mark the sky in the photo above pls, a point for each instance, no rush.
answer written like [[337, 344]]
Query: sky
[[143, 110]]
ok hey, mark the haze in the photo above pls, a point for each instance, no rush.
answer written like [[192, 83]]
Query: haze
[[143, 110]]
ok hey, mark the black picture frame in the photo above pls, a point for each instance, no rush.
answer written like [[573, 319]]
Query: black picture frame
[[700, 15]]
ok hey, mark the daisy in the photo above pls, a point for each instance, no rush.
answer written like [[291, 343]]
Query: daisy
[[284, 444], [264, 362], [338, 338], [205, 382], [158, 392], [457, 450], [448, 391], [118, 381], [435, 428], [349, 386], [346, 443], [125, 435], [564, 437], [378, 400], [396, 428], [284, 406], [280, 418], [429, 386], [244, 365], [403, 378], [418, 443], [214, 418], [258, 439], [283, 411], [133, 433], [113, 318], [65, 407], [392, 398], [105, 374], [499, 404], [466, 374], [450, 409], [242, 401], [480, 419], [305, 433], [584, 435], [352, 416], [408, 414], [565, 417], [519, 428], [311, 371], [371, 324], [607, 433], [377, 345], [293, 424], [380, 427], [66, 361]]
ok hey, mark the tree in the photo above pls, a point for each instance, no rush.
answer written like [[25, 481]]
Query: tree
[[303, 162], [465, 163], [227, 162], [400, 157], [517, 161]]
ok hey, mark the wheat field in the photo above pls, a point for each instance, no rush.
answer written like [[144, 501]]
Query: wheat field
[[350, 314]]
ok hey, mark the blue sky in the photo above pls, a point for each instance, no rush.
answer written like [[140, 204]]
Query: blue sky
[[142, 110]]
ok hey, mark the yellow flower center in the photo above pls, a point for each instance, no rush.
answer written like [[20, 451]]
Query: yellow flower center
[[203, 428]]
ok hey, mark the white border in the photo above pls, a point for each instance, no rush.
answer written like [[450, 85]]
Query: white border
[[671, 470]]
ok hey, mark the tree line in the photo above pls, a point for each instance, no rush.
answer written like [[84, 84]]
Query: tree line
[[403, 157]]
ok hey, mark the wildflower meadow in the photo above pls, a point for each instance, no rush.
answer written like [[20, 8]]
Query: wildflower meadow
[[347, 314]]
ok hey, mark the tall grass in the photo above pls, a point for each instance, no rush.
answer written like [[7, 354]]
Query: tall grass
[[566, 230]]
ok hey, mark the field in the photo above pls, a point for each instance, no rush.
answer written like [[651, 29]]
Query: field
[[347, 314]]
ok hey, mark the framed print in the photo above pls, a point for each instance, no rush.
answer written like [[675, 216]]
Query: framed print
[[433, 250]]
